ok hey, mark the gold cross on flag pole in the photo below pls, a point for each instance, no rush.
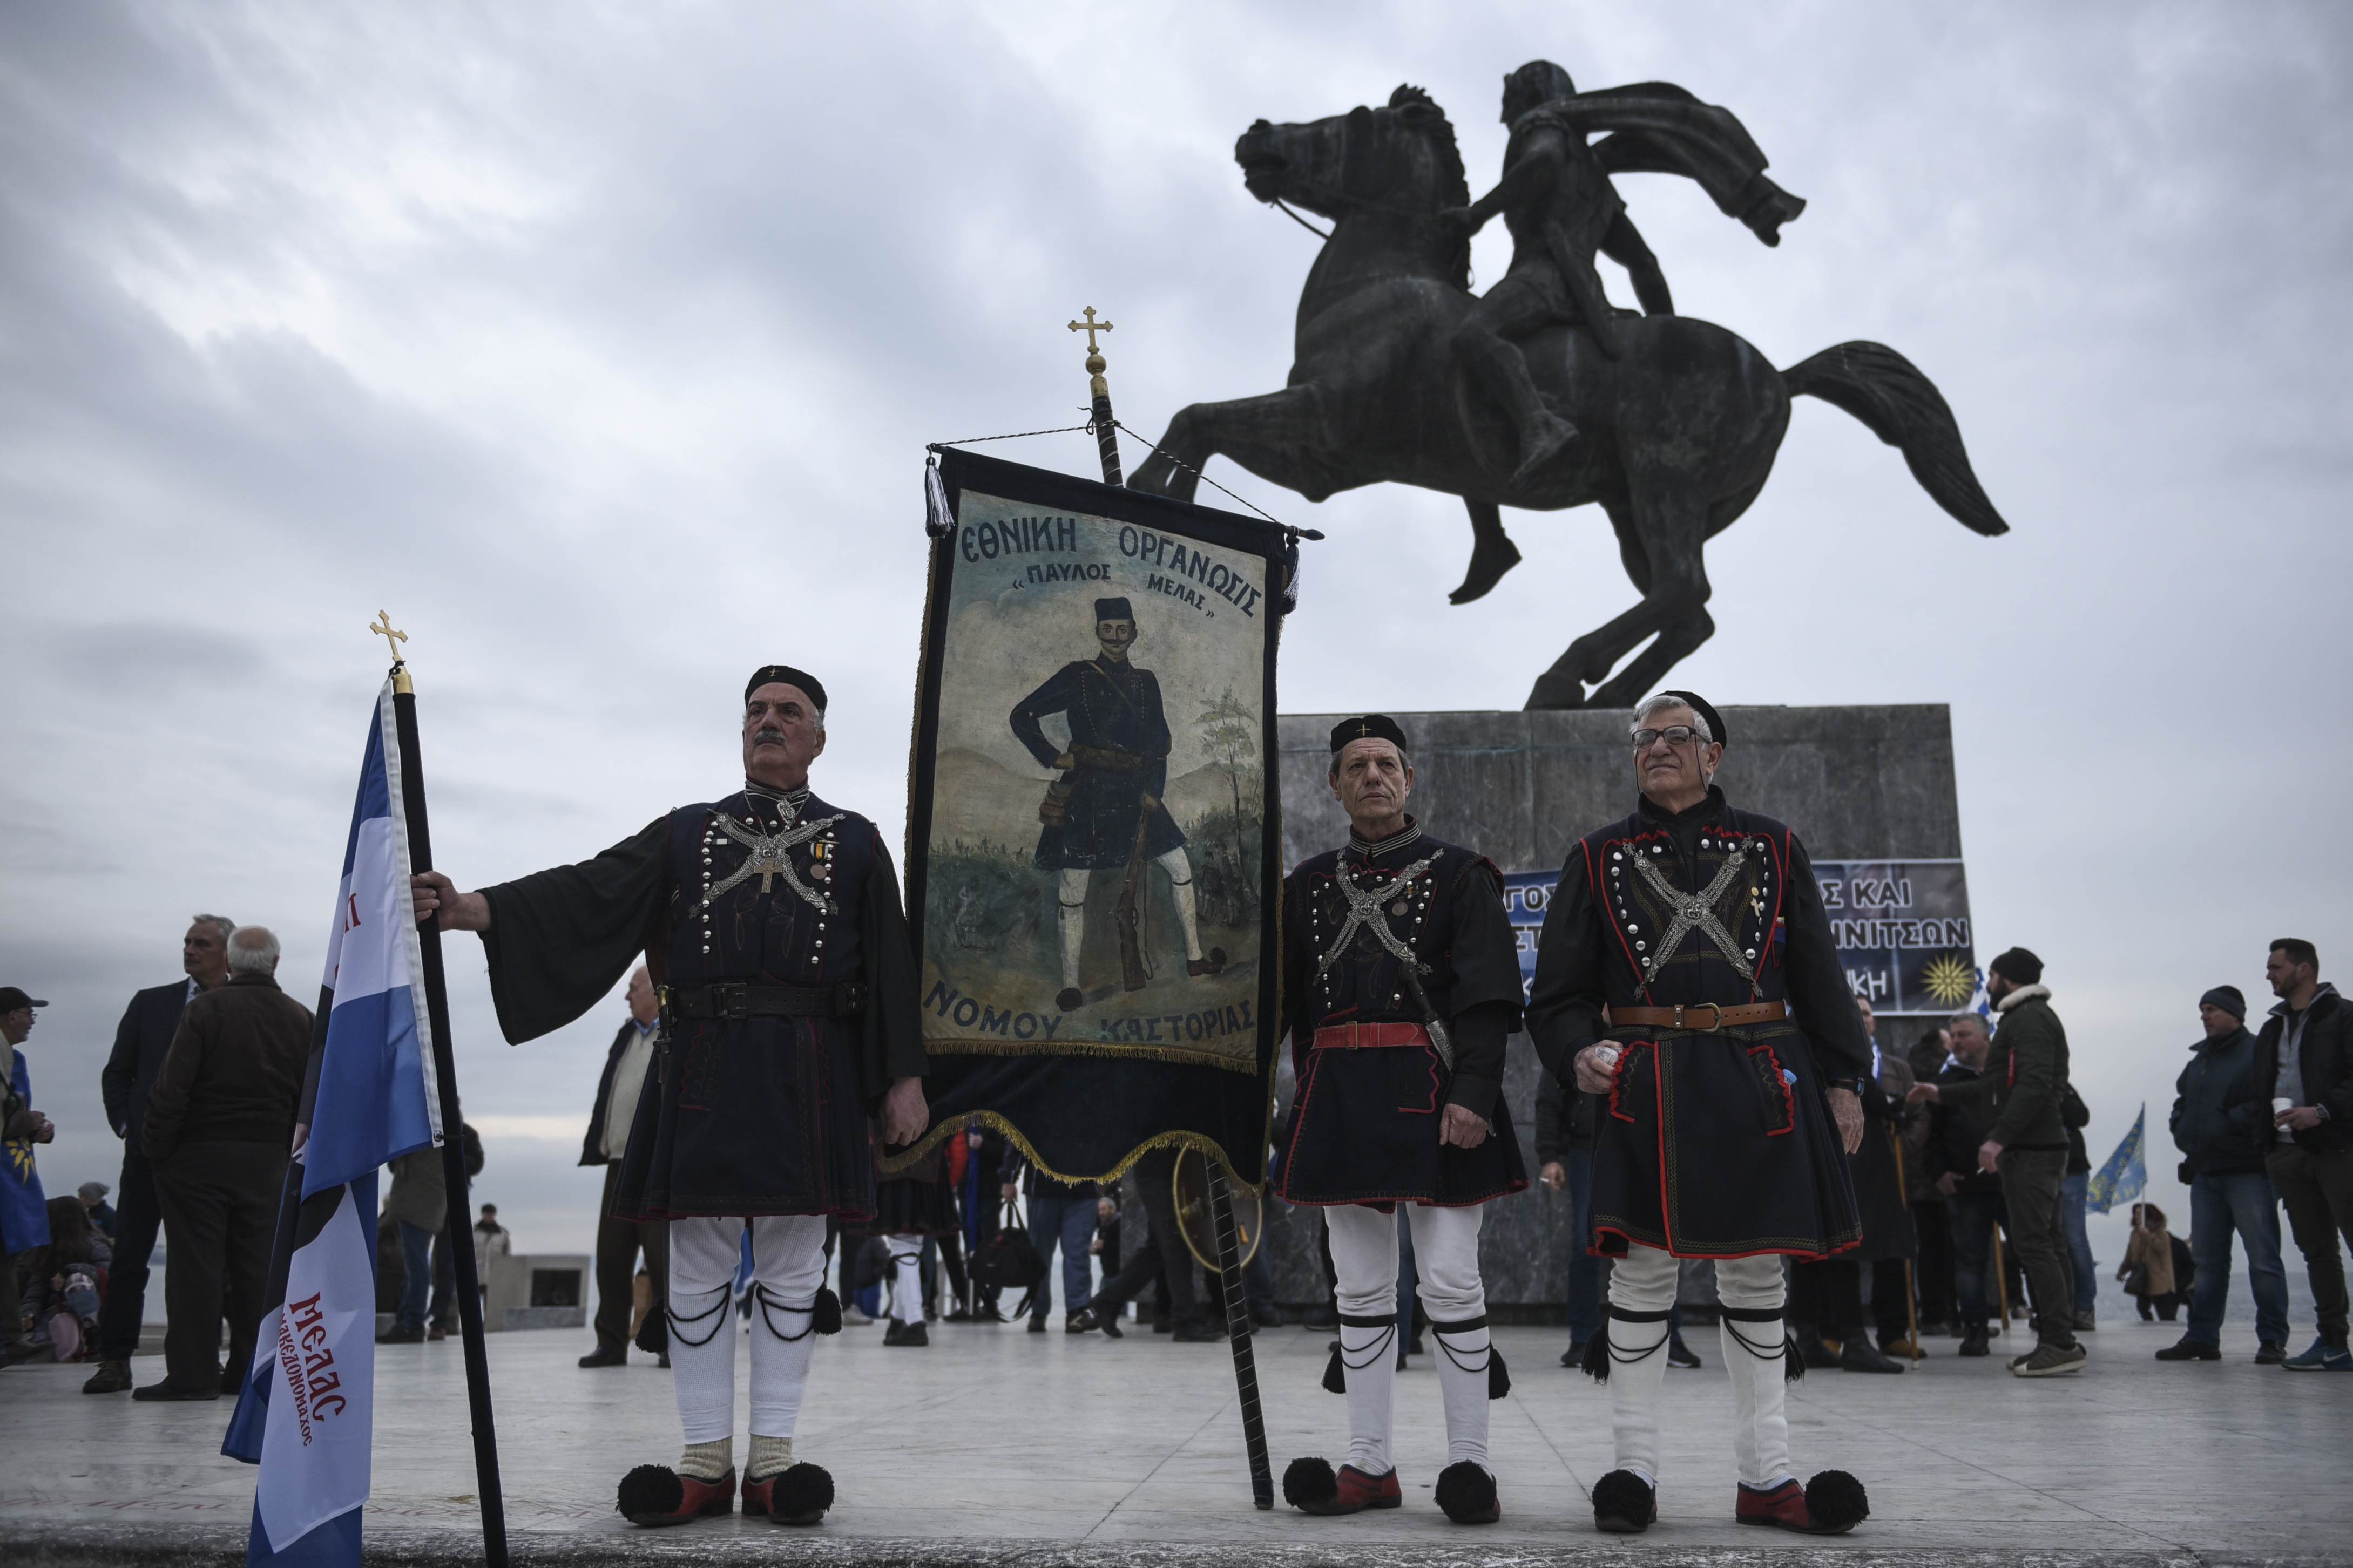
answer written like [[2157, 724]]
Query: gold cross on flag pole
[[393, 639]]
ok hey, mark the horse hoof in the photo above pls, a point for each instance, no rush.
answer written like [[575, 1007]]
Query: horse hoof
[[1488, 565]]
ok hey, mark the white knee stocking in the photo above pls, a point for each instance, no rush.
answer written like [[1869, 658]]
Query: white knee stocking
[[787, 1270], [1446, 1262], [1181, 887], [702, 1256], [1641, 1293], [1365, 1256], [1755, 1345], [907, 1279], [1072, 923]]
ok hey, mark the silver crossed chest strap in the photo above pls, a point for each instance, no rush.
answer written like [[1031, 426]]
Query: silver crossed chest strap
[[1693, 911], [1365, 914], [770, 857]]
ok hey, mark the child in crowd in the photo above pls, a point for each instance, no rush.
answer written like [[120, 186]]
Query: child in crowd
[[65, 1282]]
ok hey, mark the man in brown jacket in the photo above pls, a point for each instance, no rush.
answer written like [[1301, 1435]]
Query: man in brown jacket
[[219, 1123]]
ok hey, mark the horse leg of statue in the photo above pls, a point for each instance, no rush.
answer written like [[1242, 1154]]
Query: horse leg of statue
[[1492, 554], [1280, 436], [1665, 525]]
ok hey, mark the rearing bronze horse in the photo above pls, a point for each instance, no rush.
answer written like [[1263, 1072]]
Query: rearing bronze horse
[[1675, 441]]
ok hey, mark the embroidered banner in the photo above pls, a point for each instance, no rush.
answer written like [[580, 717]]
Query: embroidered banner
[[1902, 929], [1093, 866]]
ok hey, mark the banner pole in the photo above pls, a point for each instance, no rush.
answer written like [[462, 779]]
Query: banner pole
[[1238, 1333], [453, 1160]]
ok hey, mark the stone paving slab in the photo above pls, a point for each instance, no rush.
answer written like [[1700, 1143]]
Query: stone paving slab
[[998, 1447]]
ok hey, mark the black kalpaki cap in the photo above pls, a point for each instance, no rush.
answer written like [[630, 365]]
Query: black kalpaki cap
[[1699, 705], [2023, 968], [790, 677], [1367, 727], [1114, 610]]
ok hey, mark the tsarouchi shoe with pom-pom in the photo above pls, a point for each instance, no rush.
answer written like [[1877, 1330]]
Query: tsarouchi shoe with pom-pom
[[656, 1494], [798, 1495], [1467, 1494], [1312, 1487], [1624, 1504], [1832, 1503]]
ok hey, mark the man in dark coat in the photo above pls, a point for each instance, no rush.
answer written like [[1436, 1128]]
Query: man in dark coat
[[218, 1131], [2220, 1120], [629, 1070], [1733, 1063], [2025, 1083], [1956, 1128], [771, 924], [1401, 981], [2304, 1058], [139, 1042], [1106, 809]]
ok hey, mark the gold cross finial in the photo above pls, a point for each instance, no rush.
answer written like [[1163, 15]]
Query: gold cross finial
[[1096, 385], [393, 639]]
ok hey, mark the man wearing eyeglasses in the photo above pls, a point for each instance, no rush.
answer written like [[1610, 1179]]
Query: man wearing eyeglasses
[[1686, 972]]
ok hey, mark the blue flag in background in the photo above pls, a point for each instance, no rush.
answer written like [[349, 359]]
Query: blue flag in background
[[2125, 1176], [306, 1411], [23, 1212]]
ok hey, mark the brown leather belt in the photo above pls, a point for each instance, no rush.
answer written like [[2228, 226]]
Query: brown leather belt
[[1687, 1017], [1369, 1037]]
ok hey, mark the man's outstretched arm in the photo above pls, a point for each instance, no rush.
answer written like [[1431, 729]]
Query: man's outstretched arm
[[430, 893]]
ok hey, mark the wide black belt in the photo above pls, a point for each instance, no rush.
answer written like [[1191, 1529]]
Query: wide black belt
[[733, 1000]]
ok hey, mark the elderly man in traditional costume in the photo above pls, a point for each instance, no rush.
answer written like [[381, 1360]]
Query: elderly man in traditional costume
[[1401, 981], [771, 923], [1687, 972]]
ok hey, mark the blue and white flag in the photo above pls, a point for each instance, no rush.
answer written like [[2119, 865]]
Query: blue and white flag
[[305, 1413], [2125, 1176]]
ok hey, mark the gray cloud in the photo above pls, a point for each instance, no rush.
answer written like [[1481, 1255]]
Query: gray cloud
[[599, 343]]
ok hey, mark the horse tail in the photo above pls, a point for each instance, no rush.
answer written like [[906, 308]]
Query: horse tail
[[1902, 408]]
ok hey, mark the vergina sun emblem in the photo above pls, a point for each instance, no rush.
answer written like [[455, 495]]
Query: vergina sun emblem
[[1949, 979]]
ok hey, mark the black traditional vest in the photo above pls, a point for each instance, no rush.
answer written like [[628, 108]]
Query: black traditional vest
[[1355, 977], [1706, 928], [765, 925]]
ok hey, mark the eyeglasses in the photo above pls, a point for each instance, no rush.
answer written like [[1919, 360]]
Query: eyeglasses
[[1673, 735]]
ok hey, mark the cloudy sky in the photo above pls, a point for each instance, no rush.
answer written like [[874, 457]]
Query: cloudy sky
[[599, 343]]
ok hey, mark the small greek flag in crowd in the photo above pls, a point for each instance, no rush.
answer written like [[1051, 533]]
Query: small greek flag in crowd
[[2125, 1176], [306, 1411]]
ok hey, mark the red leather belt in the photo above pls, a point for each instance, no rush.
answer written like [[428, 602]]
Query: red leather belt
[[1369, 1037], [1689, 1014]]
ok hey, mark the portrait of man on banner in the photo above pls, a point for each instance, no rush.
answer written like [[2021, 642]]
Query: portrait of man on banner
[[1096, 836]]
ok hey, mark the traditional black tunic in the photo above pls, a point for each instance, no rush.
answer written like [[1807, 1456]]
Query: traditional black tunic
[[1717, 1144], [755, 1116], [1364, 1124], [1119, 741]]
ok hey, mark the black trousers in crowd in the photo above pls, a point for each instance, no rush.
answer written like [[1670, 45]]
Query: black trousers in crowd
[[618, 1242], [2031, 1179], [1163, 1255], [1933, 1223], [136, 1219], [220, 1202]]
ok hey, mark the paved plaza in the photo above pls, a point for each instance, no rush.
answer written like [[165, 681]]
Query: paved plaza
[[997, 1445]]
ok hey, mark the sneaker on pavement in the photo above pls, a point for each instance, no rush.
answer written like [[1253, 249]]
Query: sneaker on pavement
[[2088, 1320], [1681, 1355], [2052, 1360], [1973, 1342], [2322, 1357], [1574, 1356], [2190, 1350], [851, 1318], [2269, 1353], [1856, 1354]]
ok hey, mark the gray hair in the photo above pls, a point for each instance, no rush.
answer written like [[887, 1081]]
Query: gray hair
[[1960, 1018], [220, 923], [1663, 701], [252, 950]]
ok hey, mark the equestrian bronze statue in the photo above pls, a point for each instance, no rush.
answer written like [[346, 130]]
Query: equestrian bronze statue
[[1541, 395]]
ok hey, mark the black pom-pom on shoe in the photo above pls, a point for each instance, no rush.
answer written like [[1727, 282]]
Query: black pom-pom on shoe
[[1596, 1356], [802, 1494], [1336, 1375], [1309, 1481], [1624, 1503], [1836, 1501], [650, 1489], [1467, 1493], [1499, 1377], [825, 1313]]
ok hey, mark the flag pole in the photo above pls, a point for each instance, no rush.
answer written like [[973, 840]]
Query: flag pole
[[453, 1160]]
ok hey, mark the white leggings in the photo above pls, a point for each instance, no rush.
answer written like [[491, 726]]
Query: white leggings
[[1446, 1263], [1643, 1281], [787, 1267]]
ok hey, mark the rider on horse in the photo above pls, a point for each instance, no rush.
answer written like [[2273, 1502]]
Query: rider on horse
[[1557, 199]]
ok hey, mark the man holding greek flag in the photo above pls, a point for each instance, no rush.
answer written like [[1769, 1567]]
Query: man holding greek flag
[[306, 1409]]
